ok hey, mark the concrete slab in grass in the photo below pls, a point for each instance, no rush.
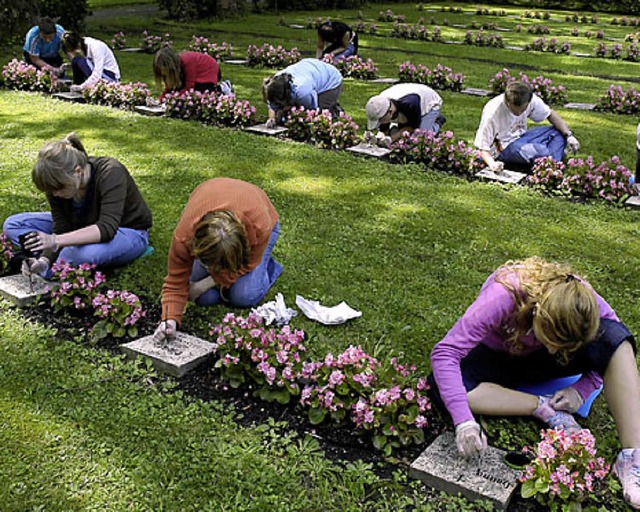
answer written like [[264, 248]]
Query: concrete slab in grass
[[633, 201], [369, 150], [297, 26], [503, 29], [385, 80], [236, 62], [476, 92], [489, 478], [515, 48], [262, 129], [69, 96], [505, 176], [19, 290], [580, 54], [155, 110], [580, 106], [175, 357], [132, 50]]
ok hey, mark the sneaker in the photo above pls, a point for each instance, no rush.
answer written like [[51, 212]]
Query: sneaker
[[560, 420], [627, 469]]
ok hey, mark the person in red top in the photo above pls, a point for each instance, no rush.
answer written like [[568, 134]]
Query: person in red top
[[180, 72], [220, 251]]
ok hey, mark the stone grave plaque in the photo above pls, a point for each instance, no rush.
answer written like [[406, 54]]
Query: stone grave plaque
[[385, 81], [515, 48], [297, 26], [580, 54], [458, 25], [132, 50], [175, 357], [503, 29], [633, 201], [489, 478], [580, 106], [476, 92], [369, 150], [69, 96], [17, 288], [262, 129], [154, 110], [236, 62], [505, 176]]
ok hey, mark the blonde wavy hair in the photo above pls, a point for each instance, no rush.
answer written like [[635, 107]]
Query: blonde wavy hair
[[220, 242], [57, 161], [559, 307]]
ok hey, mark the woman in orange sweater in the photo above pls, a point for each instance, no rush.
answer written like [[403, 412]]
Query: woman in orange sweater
[[220, 251]]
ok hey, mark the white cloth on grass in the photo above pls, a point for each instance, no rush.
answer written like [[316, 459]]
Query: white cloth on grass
[[338, 314], [275, 311]]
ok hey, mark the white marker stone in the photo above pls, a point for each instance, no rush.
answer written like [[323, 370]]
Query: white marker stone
[[369, 150], [17, 288], [633, 201], [263, 129], [69, 96], [505, 176], [580, 106], [476, 92], [155, 110]]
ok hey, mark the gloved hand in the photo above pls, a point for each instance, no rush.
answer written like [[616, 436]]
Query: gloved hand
[[469, 439], [573, 144], [567, 399], [75, 88], [271, 123], [32, 266], [166, 331], [385, 142], [496, 167], [369, 137], [197, 288], [37, 241]]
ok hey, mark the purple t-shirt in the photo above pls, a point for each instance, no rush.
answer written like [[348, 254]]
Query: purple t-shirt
[[490, 321]]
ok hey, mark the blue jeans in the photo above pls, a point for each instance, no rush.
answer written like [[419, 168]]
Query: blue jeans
[[127, 245], [428, 121], [250, 288], [538, 142], [82, 69]]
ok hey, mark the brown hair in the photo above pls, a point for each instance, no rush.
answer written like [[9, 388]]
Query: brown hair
[[518, 93], [220, 242], [167, 69], [277, 89], [57, 162], [47, 26], [72, 42], [560, 308]]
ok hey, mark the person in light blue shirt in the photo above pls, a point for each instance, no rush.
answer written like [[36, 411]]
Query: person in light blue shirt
[[309, 83], [42, 45]]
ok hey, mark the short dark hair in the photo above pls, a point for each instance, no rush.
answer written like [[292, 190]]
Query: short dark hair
[[47, 26], [518, 93]]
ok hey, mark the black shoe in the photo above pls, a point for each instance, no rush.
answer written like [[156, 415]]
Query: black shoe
[[440, 120]]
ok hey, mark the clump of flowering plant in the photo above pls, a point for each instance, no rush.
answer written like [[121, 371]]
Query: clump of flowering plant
[[440, 152], [7, 251], [321, 128], [19, 75], [363, 28], [119, 311], [271, 357], [118, 95], [315, 23], [565, 470], [151, 43], [119, 41], [78, 285], [269, 56], [482, 38], [210, 108], [542, 44], [543, 87], [217, 51], [354, 66], [441, 77], [619, 101], [415, 31]]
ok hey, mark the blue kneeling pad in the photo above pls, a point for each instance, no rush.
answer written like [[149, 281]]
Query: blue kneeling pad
[[551, 386], [148, 251]]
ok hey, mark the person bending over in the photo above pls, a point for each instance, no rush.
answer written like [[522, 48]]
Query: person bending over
[[220, 251], [337, 39], [91, 60], [533, 321], [42, 46]]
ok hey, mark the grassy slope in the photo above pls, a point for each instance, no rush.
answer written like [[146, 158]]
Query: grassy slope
[[407, 247]]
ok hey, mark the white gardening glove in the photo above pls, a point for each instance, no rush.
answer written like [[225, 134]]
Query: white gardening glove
[[197, 288], [567, 399], [75, 88], [385, 142], [496, 167], [271, 123], [369, 137], [166, 331], [573, 144], [37, 241], [469, 439], [32, 266]]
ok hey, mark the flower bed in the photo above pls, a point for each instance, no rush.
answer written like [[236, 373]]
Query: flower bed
[[619, 101], [19, 75], [550, 94], [151, 43], [608, 180], [389, 400], [320, 128], [202, 45], [354, 67], [440, 152], [416, 31], [483, 39], [542, 44], [269, 56], [388, 16], [118, 95], [441, 77], [210, 108]]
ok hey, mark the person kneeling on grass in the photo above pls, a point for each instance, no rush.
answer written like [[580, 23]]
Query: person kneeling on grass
[[91, 61], [503, 139], [534, 321], [340, 38], [42, 46], [97, 212], [220, 251], [309, 83], [400, 108]]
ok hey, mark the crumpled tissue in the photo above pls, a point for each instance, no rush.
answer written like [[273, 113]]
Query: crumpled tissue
[[329, 316], [275, 311]]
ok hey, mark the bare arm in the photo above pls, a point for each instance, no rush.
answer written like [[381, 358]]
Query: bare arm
[[86, 235], [558, 123], [319, 47], [39, 63]]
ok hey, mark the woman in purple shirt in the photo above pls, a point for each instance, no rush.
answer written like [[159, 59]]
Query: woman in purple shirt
[[533, 321]]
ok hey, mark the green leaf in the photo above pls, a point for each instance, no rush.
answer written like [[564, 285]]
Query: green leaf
[[283, 396], [317, 415], [528, 489], [379, 441]]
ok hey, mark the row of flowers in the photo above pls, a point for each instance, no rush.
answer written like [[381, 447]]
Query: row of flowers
[[619, 101], [481, 38], [543, 87], [320, 128], [354, 67], [441, 77], [417, 31], [210, 108], [149, 43], [387, 400], [631, 52], [541, 44], [217, 51]]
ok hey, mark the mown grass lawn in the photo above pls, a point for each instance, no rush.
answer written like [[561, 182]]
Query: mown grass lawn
[[410, 248]]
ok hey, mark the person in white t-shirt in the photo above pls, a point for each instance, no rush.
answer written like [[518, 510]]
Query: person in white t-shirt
[[91, 60], [503, 137]]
